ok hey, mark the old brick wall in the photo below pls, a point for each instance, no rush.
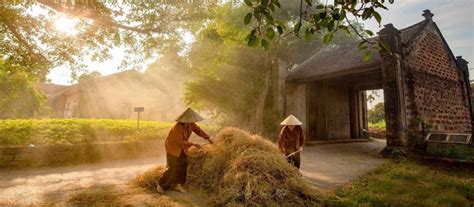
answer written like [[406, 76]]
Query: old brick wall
[[435, 91]]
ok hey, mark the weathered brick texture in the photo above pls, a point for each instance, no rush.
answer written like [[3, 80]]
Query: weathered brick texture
[[435, 90]]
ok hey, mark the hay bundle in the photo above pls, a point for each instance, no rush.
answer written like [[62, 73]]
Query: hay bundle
[[150, 178], [241, 168]]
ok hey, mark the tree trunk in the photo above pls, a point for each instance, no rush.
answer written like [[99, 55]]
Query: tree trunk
[[257, 118]]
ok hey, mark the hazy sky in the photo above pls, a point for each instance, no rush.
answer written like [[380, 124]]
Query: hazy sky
[[455, 18]]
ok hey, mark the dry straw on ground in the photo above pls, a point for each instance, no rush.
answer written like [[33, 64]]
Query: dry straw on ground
[[245, 169]]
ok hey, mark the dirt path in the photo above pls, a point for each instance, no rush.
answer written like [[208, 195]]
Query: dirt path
[[331, 165], [326, 166]]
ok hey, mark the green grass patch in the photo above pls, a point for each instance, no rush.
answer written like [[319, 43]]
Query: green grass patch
[[453, 151], [407, 183], [76, 131], [378, 125]]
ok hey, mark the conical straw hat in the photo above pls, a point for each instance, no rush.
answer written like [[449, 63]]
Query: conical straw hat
[[189, 116], [291, 120]]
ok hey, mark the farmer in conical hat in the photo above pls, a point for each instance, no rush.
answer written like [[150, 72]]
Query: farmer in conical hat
[[291, 140], [177, 146]]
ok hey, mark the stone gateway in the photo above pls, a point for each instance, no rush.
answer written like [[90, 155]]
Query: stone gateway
[[426, 88]]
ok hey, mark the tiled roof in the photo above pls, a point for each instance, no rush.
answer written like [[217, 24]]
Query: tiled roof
[[345, 60]]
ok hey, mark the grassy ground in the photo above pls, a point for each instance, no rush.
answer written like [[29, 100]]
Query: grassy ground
[[378, 125], [454, 151], [74, 131], [408, 183]]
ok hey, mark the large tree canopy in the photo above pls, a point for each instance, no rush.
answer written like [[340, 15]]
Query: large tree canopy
[[28, 36], [18, 95]]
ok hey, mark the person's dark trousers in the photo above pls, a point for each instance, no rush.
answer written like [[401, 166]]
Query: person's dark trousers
[[295, 160], [175, 172]]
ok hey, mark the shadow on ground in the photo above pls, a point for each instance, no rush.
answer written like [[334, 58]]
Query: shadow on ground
[[113, 195]]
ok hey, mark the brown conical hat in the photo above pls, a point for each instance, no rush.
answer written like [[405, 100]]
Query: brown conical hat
[[189, 116], [291, 120]]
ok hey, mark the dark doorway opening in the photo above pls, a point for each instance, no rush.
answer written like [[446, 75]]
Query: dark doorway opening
[[337, 106]]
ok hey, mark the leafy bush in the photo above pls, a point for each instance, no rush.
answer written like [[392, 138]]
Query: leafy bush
[[75, 131], [377, 113], [378, 125]]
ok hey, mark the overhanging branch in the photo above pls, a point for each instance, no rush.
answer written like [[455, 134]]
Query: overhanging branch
[[98, 19], [24, 42]]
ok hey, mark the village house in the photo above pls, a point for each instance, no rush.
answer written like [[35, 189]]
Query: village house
[[426, 89], [115, 96]]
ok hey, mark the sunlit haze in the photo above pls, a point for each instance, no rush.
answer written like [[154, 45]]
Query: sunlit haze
[[457, 26], [65, 25]]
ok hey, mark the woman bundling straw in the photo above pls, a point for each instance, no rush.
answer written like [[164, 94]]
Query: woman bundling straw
[[177, 146]]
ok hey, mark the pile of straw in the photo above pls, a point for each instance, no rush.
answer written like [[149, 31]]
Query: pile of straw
[[246, 169], [150, 178]]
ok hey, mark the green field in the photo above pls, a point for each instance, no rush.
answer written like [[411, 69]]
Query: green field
[[408, 183], [74, 131], [378, 125]]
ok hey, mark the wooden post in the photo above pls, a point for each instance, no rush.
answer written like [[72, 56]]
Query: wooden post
[[138, 110], [138, 120]]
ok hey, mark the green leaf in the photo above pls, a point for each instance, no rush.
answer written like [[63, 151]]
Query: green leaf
[[308, 36], [345, 28], [385, 46], [269, 17], [330, 25], [272, 7], [320, 6], [316, 17], [377, 16], [270, 33], [370, 33], [277, 4], [247, 18], [322, 15], [363, 47], [249, 3], [257, 13], [247, 38], [367, 55], [380, 5], [280, 29], [362, 43], [252, 39], [297, 27], [265, 44], [327, 38], [366, 14]]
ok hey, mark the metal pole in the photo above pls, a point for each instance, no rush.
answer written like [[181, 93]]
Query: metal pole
[[138, 120]]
